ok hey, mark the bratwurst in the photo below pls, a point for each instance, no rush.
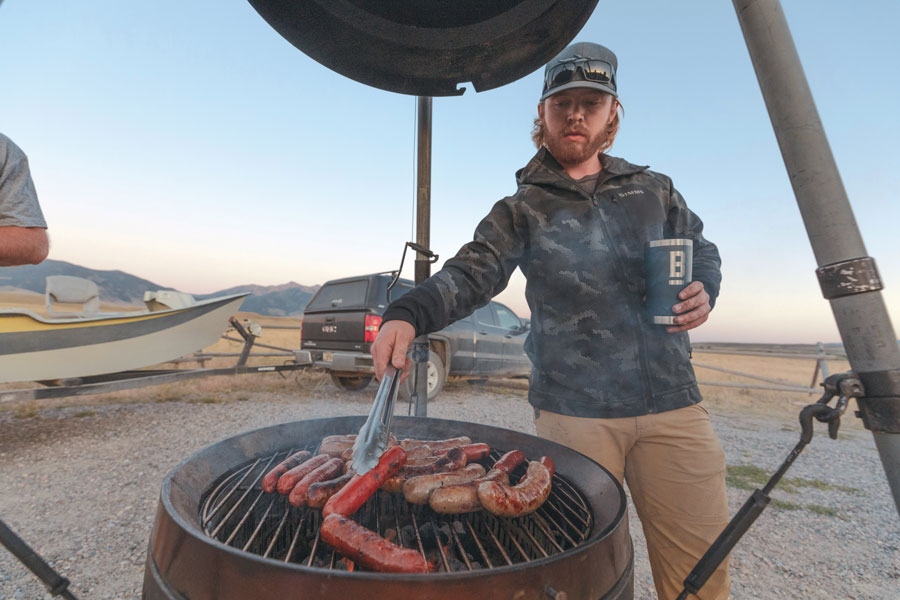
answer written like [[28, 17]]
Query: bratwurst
[[453, 460], [418, 489], [463, 497], [522, 499]]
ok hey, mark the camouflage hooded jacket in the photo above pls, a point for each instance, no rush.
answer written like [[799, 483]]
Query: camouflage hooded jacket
[[594, 351]]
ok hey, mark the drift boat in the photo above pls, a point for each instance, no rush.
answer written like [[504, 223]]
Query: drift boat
[[38, 348]]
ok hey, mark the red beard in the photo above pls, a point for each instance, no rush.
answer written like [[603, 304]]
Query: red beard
[[572, 152]]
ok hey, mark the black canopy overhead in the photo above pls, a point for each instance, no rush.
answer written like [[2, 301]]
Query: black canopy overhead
[[428, 47]]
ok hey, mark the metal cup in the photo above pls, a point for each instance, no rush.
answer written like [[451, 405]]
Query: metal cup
[[668, 268]]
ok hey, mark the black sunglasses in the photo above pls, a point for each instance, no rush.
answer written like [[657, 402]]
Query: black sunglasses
[[591, 70]]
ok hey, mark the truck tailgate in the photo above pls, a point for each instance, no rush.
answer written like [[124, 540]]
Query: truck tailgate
[[336, 330]]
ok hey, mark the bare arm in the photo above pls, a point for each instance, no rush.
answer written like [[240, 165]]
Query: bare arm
[[23, 245]]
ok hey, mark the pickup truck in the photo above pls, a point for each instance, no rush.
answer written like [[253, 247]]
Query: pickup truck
[[342, 319]]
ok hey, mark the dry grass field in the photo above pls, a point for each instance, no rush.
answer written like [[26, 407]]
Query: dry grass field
[[797, 371]]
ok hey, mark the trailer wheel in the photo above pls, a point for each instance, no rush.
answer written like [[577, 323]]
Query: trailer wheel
[[351, 383], [436, 378]]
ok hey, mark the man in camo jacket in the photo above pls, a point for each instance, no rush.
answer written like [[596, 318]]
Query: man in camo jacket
[[606, 381]]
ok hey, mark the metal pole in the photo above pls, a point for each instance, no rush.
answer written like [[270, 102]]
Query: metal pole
[[846, 274], [56, 583], [423, 238]]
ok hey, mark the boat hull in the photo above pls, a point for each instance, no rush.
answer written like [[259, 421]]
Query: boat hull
[[38, 349]]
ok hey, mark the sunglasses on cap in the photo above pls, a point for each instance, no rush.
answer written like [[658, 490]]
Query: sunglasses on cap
[[592, 70]]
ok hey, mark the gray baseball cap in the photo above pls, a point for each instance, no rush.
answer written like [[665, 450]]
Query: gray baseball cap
[[581, 65]]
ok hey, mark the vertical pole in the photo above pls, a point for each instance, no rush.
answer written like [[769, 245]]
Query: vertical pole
[[423, 238], [862, 318]]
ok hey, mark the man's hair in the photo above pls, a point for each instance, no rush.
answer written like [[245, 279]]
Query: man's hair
[[537, 129]]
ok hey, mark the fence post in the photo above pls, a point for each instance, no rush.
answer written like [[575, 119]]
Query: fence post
[[821, 365]]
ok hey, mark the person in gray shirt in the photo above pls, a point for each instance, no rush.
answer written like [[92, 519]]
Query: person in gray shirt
[[23, 230]]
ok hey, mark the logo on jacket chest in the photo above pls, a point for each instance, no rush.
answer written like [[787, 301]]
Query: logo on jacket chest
[[636, 192]]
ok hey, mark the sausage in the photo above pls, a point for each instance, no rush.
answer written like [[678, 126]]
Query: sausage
[[367, 548], [353, 495], [509, 461], [473, 451], [522, 499], [335, 448], [417, 489], [319, 492], [351, 437], [551, 466], [348, 453], [409, 444], [287, 481], [418, 452], [271, 478], [453, 460], [463, 498], [328, 470], [342, 437]]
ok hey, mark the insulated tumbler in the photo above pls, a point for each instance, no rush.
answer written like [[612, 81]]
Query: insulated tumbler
[[667, 270]]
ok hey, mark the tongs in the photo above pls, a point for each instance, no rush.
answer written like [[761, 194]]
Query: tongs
[[372, 440]]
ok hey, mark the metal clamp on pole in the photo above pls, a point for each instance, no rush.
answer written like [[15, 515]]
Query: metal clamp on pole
[[849, 277], [843, 386], [879, 408]]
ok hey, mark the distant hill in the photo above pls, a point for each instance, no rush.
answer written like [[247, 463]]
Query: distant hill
[[287, 299]]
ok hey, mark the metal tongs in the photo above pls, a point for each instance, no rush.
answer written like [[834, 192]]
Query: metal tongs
[[372, 440]]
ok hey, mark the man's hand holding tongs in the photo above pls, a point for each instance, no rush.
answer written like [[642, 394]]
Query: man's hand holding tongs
[[392, 344]]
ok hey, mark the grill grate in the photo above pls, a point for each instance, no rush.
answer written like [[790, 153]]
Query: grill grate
[[238, 513]]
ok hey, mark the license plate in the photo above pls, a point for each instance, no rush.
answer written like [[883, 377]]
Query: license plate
[[328, 357]]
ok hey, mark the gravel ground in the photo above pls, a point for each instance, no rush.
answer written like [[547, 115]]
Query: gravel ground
[[81, 486]]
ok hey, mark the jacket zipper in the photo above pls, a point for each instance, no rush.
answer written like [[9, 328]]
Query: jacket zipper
[[649, 403]]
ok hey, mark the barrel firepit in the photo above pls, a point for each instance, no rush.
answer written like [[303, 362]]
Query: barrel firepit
[[217, 535]]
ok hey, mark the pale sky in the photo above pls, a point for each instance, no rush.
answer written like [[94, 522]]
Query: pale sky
[[189, 144]]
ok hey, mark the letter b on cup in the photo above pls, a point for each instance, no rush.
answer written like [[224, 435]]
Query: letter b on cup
[[668, 268]]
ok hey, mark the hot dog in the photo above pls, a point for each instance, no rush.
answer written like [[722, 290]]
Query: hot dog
[[287, 481], [453, 460], [353, 495], [369, 549], [519, 500], [473, 451], [409, 444], [418, 489], [329, 470], [271, 478], [463, 498], [319, 493]]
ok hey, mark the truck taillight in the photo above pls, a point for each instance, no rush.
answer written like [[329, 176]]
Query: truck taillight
[[373, 322]]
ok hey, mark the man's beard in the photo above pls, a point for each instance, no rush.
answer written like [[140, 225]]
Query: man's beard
[[569, 152]]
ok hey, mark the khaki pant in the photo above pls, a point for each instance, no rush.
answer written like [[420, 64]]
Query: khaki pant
[[675, 470]]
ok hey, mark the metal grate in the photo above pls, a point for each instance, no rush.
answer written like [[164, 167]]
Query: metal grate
[[238, 513]]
